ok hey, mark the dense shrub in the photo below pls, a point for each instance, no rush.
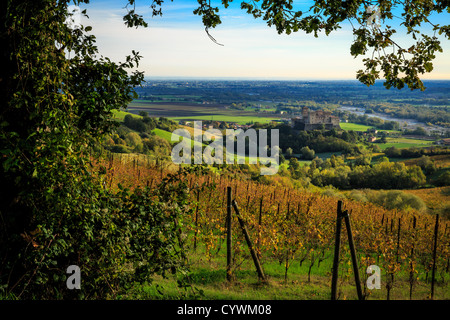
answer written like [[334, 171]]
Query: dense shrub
[[384, 175], [116, 239], [390, 199], [443, 179], [395, 199], [307, 153]]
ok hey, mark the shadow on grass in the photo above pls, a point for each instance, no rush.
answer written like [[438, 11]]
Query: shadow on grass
[[205, 276]]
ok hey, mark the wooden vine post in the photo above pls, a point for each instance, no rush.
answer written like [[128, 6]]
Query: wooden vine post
[[249, 243], [353, 253], [337, 248], [344, 215]]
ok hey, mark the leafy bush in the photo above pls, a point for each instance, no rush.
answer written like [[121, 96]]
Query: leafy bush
[[357, 196], [395, 199], [329, 191], [307, 153], [427, 165], [115, 238], [443, 179], [134, 124], [393, 152], [118, 148]]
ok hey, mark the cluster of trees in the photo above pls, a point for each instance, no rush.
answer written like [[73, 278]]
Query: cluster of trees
[[394, 152], [335, 172], [438, 115], [126, 141], [147, 124], [317, 140], [305, 153], [135, 135]]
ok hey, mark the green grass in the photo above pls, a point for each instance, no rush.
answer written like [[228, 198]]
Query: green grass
[[361, 127], [354, 126], [164, 134], [402, 143], [168, 136], [209, 276], [301, 162], [165, 98], [120, 115]]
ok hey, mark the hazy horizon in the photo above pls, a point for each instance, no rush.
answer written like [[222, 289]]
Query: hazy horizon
[[266, 79]]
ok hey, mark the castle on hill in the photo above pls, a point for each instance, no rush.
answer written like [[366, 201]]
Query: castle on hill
[[312, 120]]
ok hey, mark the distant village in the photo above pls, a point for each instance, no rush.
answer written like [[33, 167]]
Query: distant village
[[213, 124]]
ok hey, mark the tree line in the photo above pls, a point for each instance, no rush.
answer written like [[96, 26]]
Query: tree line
[[335, 172]]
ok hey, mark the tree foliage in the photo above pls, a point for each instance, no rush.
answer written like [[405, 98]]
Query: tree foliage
[[335, 172], [57, 96]]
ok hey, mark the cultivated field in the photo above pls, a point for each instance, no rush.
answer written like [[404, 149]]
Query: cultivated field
[[195, 111]]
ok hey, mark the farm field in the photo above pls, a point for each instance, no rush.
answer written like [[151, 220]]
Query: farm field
[[404, 143], [228, 118], [361, 127], [192, 111], [354, 126], [292, 228]]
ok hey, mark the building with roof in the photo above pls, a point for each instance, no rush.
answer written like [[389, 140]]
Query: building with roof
[[313, 120]]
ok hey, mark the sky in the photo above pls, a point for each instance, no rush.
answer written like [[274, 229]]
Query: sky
[[176, 45]]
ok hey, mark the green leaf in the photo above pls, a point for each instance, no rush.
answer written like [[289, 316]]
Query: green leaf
[[428, 66]]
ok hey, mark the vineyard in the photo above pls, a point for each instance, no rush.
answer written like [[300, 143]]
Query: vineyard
[[289, 226]]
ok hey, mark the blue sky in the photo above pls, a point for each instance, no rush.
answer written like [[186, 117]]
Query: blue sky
[[176, 45]]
